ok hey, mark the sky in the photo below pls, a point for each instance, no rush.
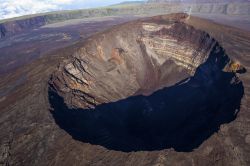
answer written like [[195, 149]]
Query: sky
[[15, 8]]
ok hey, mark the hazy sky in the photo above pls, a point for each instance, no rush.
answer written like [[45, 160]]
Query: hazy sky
[[14, 8]]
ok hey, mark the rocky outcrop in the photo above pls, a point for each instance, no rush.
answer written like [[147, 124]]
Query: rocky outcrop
[[136, 58]]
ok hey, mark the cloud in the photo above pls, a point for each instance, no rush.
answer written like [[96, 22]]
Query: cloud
[[14, 8]]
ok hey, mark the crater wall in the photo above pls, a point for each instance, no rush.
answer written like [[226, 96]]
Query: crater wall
[[136, 58]]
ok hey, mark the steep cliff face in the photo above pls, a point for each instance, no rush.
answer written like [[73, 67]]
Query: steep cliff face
[[14, 27], [2, 31], [136, 58]]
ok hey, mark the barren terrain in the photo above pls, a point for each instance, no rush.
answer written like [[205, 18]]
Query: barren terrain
[[127, 90]]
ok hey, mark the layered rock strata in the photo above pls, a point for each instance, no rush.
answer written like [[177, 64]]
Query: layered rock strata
[[139, 57]]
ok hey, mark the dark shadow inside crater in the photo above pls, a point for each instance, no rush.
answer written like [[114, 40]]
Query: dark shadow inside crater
[[179, 117]]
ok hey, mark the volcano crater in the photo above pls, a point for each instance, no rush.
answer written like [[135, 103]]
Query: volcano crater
[[150, 84]]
